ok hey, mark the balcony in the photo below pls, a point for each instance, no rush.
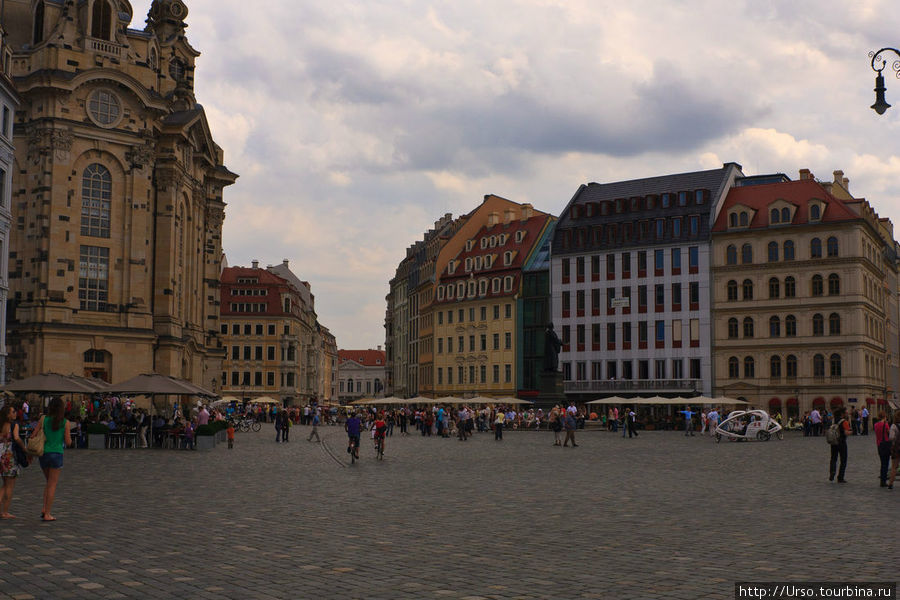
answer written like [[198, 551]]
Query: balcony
[[635, 386], [104, 47]]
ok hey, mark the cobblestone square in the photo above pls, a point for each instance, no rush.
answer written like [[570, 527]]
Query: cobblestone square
[[660, 516]]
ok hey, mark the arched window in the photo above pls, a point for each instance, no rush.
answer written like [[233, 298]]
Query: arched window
[[774, 327], [785, 215], [746, 254], [818, 323], [749, 367], [38, 35], [96, 193], [731, 255], [818, 365], [834, 284], [732, 328], [773, 287], [773, 216], [790, 366], [734, 368], [732, 221], [834, 324], [101, 20], [832, 247], [815, 248], [732, 290], [817, 285], [775, 367], [745, 219], [789, 250], [815, 213], [790, 287], [748, 289], [748, 327], [773, 251], [835, 365], [790, 326]]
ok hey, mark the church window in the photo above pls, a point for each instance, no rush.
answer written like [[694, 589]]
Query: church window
[[104, 107], [101, 20], [93, 278], [96, 193], [38, 24]]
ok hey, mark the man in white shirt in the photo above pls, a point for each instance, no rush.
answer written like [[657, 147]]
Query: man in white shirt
[[203, 416], [864, 415], [815, 417]]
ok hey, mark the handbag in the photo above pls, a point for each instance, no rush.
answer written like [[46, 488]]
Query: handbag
[[35, 445]]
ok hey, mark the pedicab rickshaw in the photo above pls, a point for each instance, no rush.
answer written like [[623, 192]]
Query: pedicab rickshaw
[[745, 425]]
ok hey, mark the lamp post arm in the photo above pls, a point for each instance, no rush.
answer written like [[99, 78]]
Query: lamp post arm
[[876, 58]]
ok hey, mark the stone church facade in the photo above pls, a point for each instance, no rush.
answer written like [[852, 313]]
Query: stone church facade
[[117, 206]]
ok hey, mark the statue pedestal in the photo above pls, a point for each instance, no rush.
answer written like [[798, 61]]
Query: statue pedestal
[[551, 389]]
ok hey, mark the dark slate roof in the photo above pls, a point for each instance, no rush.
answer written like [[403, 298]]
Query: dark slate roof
[[713, 182], [182, 117]]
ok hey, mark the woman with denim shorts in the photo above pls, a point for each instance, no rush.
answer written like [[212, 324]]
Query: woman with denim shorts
[[57, 435]]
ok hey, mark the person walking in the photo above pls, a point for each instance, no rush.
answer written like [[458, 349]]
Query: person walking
[[688, 421], [278, 419], [57, 435], [556, 425], [883, 444], [631, 419], [315, 428], [839, 449], [9, 466], [230, 434], [498, 425], [894, 437], [864, 414], [815, 420], [570, 426], [285, 426]]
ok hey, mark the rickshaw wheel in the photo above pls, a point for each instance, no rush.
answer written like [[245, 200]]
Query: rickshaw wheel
[[763, 436], [718, 437], [780, 434]]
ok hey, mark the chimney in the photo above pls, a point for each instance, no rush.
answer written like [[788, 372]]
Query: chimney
[[493, 219], [527, 211], [284, 263], [806, 175], [846, 183], [255, 264], [379, 347], [839, 177]]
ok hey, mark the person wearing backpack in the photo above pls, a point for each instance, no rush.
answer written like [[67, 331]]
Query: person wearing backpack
[[837, 438], [895, 448]]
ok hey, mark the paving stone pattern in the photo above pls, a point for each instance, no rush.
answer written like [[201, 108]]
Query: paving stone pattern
[[659, 516]]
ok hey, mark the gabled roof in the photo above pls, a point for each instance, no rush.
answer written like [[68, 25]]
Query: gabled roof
[[366, 358], [798, 193]]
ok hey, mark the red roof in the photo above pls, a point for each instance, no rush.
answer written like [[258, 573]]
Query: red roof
[[233, 292], [798, 193], [367, 358]]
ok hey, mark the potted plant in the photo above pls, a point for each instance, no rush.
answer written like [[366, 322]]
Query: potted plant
[[205, 437], [96, 434]]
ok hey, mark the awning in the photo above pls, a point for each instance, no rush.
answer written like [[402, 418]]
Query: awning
[[775, 402], [836, 401], [791, 402]]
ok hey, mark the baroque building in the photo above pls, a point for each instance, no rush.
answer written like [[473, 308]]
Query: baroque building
[[362, 374], [9, 101], [117, 195], [618, 246], [274, 345], [804, 296]]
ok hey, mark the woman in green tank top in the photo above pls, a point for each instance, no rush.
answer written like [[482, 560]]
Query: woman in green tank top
[[57, 436]]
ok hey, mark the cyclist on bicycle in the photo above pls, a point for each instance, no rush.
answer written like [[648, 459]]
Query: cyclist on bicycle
[[380, 427], [352, 427]]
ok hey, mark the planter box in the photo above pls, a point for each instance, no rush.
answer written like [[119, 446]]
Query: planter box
[[96, 441], [205, 442], [221, 436]]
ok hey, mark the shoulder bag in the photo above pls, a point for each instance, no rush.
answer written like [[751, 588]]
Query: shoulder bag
[[35, 445]]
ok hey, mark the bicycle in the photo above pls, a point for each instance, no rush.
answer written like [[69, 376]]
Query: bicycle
[[379, 447], [353, 447], [246, 425]]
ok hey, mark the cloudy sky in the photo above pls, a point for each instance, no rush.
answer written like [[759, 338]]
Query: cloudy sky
[[355, 125]]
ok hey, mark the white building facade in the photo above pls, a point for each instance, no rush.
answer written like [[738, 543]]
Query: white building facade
[[630, 285]]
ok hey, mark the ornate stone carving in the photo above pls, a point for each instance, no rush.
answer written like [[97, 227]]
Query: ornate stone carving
[[46, 141], [166, 179], [215, 216], [140, 156]]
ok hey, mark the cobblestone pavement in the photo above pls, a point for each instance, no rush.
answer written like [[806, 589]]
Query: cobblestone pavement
[[660, 516]]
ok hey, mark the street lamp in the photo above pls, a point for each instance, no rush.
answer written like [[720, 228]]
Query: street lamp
[[881, 104]]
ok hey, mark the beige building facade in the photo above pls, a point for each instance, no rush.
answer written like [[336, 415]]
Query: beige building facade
[[117, 196], [804, 297]]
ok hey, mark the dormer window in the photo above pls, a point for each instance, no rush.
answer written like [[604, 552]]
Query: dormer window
[[732, 220], [589, 209], [815, 212], [495, 285], [478, 263], [604, 208], [482, 287], [493, 241], [471, 290], [774, 216], [700, 196], [682, 198], [785, 215], [520, 235], [484, 243], [507, 259], [451, 291], [451, 267], [101, 20], [469, 245], [665, 200], [507, 283], [440, 293], [468, 264], [460, 290]]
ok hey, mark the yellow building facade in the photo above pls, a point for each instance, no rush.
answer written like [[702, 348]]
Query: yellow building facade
[[804, 286], [117, 196]]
